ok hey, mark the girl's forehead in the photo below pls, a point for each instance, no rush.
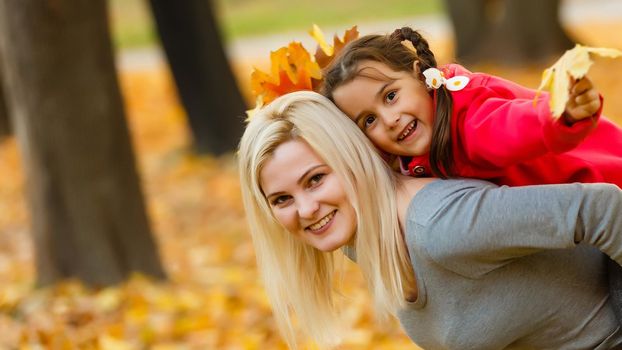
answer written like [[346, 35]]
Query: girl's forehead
[[376, 70]]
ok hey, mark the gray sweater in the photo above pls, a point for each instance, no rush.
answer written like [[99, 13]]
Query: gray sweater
[[513, 267]]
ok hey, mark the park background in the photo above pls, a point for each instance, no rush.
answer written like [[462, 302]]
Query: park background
[[213, 298]]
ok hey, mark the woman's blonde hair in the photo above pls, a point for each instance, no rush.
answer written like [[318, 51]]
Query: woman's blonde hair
[[299, 277]]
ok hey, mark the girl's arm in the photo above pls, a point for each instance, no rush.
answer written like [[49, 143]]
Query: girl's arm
[[499, 124], [482, 227]]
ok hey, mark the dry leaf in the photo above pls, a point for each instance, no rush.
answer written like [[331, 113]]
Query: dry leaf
[[292, 69], [317, 34], [323, 57], [574, 64]]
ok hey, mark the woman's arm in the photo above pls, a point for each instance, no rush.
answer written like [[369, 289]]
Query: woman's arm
[[482, 227]]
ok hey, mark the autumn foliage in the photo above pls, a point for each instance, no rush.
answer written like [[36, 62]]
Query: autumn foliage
[[292, 68]]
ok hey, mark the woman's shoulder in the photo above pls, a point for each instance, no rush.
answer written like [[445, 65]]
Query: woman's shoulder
[[438, 194]]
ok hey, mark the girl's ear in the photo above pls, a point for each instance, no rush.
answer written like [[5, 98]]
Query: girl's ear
[[416, 69]]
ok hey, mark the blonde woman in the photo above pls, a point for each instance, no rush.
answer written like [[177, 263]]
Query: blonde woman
[[441, 255]]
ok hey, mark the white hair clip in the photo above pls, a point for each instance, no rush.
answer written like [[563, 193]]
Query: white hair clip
[[434, 79]]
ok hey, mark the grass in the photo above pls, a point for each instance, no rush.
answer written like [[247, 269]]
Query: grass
[[133, 26]]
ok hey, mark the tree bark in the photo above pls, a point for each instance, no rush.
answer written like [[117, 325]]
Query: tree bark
[[87, 210], [5, 123], [507, 31], [206, 85]]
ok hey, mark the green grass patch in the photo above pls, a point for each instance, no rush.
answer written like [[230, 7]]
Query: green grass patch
[[132, 24], [241, 18]]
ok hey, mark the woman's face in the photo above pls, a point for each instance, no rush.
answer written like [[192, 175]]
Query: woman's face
[[307, 197]]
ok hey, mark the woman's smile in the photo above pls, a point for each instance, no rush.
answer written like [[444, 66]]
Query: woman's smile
[[323, 224]]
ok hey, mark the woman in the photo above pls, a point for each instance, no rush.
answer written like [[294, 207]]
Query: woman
[[463, 264]]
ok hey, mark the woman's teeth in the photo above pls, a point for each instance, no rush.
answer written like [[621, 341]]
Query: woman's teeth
[[318, 225], [408, 130]]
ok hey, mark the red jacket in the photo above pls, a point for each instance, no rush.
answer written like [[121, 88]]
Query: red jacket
[[501, 136]]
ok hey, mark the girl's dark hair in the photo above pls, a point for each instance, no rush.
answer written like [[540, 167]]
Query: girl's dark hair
[[388, 49]]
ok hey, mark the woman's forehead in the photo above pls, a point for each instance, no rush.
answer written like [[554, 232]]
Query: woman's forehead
[[289, 162]]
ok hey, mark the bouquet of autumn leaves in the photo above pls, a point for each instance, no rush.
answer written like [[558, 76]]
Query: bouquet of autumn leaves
[[292, 68]]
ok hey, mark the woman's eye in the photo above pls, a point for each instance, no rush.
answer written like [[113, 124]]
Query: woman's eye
[[316, 179], [280, 200], [391, 96], [369, 120]]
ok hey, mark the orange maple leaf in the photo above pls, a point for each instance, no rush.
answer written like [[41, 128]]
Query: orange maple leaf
[[292, 69]]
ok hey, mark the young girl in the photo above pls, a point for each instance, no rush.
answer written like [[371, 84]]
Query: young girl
[[477, 125]]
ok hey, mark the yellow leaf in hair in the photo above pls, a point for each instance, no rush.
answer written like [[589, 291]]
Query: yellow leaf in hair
[[349, 35], [573, 64], [322, 58], [317, 34]]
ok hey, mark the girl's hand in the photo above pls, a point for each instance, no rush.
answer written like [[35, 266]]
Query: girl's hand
[[584, 101]]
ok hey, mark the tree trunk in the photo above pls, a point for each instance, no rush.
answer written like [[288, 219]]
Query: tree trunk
[[5, 124], [88, 214], [206, 85], [507, 31]]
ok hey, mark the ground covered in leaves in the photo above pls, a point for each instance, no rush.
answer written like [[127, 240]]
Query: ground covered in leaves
[[214, 298]]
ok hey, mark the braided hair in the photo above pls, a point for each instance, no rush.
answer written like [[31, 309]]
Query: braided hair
[[388, 49]]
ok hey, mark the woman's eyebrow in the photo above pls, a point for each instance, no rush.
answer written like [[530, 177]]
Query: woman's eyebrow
[[299, 181]]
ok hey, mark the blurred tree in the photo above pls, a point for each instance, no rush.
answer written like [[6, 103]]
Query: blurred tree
[[87, 210], [5, 125], [507, 31], [206, 85]]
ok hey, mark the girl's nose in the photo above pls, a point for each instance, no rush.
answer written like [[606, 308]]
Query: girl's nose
[[391, 120]]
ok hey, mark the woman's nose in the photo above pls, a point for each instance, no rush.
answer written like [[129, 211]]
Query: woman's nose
[[307, 207]]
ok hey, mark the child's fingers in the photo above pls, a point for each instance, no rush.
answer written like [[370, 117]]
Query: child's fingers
[[587, 97], [585, 110], [581, 86]]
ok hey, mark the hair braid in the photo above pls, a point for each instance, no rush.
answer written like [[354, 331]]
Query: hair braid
[[441, 153]]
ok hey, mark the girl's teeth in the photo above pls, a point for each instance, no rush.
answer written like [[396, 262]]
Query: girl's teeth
[[322, 222], [407, 131]]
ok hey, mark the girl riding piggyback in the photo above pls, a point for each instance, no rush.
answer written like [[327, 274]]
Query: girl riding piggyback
[[449, 122]]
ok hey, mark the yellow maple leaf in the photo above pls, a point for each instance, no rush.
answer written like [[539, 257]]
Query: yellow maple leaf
[[574, 64], [324, 56], [317, 34]]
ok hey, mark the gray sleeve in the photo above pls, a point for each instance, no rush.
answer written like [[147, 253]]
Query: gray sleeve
[[479, 227]]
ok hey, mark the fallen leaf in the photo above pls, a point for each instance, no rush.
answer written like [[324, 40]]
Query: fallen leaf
[[573, 64]]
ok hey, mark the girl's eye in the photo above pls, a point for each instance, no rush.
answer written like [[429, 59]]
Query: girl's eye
[[280, 200], [390, 96], [369, 120]]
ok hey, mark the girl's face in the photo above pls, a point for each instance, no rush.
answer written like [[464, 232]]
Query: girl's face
[[307, 197], [394, 109]]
